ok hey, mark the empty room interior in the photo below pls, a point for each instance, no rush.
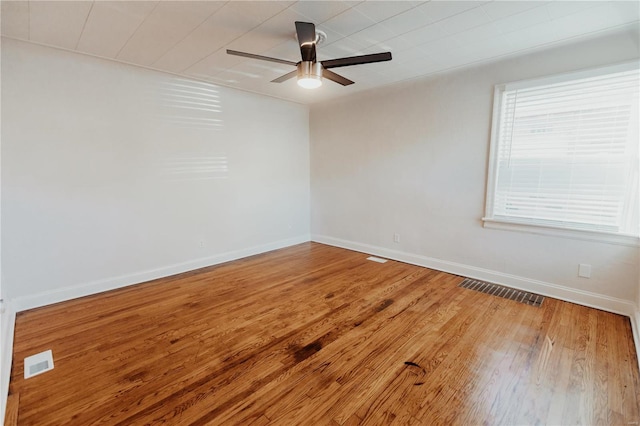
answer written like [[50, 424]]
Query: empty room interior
[[320, 212]]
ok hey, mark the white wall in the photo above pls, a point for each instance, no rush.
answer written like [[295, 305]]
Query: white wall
[[113, 174], [412, 159], [7, 317], [637, 319]]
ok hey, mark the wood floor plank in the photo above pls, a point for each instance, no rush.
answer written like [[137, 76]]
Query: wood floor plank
[[313, 334], [462, 364], [358, 327], [538, 390], [321, 332], [428, 363], [530, 356], [11, 413], [499, 383], [358, 367]]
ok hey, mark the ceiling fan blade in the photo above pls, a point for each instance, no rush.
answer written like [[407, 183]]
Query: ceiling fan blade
[[262, 58], [285, 77], [306, 32], [357, 60], [330, 75]]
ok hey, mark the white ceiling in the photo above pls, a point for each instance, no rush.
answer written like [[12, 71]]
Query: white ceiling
[[190, 37]]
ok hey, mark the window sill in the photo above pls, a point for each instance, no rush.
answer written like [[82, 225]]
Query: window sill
[[578, 234]]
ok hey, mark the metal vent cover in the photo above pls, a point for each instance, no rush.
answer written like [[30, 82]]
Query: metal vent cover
[[502, 291]]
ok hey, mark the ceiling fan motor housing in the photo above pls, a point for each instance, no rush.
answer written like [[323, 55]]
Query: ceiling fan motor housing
[[308, 69]]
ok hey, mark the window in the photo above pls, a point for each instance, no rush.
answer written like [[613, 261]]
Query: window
[[564, 155]]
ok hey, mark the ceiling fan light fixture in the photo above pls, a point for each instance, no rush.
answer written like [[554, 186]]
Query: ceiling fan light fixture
[[309, 71], [309, 82], [309, 74]]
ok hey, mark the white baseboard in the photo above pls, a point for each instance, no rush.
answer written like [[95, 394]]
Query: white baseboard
[[598, 301], [7, 325], [68, 293], [586, 298], [580, 297]]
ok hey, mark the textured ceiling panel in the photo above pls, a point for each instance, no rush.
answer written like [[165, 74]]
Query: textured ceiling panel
[[191, 37]]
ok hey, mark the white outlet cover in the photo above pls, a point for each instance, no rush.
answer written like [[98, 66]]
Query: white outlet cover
[[38, 364], [584, 270]]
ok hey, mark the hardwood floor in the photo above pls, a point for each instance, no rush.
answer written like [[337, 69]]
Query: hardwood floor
[[313, 335]]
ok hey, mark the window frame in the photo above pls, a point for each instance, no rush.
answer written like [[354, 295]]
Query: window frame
[[513, 224]]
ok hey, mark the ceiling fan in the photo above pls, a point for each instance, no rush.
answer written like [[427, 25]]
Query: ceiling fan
[[308, 70]]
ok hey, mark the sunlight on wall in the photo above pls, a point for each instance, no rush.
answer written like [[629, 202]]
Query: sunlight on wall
[[129, 174], [191, 104], [197, 168]]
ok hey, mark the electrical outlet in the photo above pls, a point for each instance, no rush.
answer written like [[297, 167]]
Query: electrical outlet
[[396, 238], [584, 270], [201, 243]]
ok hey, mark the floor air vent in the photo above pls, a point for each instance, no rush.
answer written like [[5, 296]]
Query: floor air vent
[[502, 291], [38, 364]]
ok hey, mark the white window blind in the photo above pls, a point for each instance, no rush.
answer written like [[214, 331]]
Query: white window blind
[[565, 153]]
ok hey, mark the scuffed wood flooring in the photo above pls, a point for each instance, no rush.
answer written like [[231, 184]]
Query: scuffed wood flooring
[[319, 335]]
